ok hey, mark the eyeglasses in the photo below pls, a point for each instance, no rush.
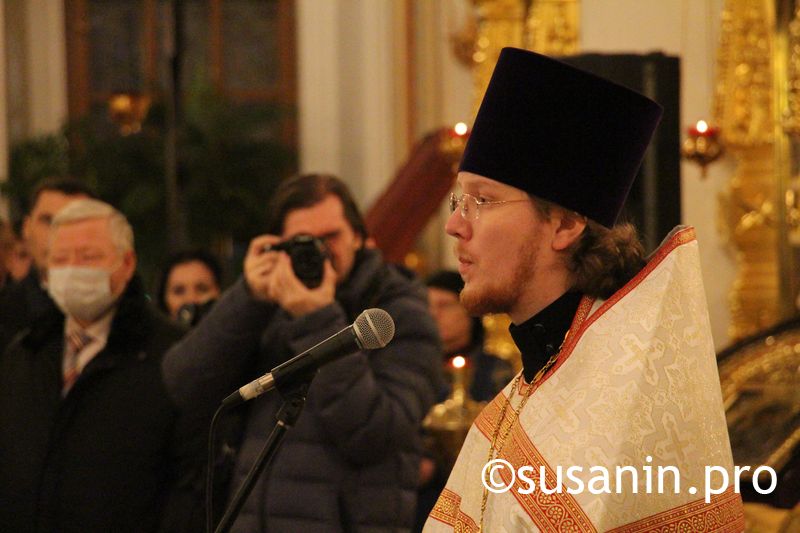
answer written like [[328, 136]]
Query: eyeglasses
[[470, 205]]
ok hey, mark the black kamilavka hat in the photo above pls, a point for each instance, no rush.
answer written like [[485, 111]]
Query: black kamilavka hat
[[560, 134]]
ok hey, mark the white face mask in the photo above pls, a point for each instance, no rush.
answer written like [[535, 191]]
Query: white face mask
[[83, 293]]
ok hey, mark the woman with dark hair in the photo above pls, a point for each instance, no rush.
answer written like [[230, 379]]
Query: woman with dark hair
[[190, 281]]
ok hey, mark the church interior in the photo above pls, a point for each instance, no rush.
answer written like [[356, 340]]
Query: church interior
[[185, 113]]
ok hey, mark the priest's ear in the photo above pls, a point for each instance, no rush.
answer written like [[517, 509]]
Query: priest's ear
[[569, 226]]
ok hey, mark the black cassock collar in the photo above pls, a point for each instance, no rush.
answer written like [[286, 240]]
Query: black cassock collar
[[539, 337]]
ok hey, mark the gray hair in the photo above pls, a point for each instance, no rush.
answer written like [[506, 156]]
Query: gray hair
[[86, 209]]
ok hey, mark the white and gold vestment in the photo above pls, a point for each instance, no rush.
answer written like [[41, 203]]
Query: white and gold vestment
[[636, 384]]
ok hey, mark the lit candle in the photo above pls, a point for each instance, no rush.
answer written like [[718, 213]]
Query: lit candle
[[460, 129], [702, 129], [459, 394]]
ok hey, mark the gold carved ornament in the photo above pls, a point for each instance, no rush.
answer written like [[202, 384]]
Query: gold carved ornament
[[791, 126], [744, 109], [759, 389], [553, 27], [549, 27]]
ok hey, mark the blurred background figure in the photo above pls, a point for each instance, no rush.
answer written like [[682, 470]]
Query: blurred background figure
[[190, 283], [463, 335], [24, 303], [188, 287], [18, 260], [6, 245], [15, 261]]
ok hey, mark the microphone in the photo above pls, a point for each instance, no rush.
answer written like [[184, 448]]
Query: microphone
[[373, 329]]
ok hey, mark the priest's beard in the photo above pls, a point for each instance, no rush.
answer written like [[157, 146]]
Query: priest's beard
[[502, 295]]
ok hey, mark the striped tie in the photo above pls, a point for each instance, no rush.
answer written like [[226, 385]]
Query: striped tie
[[76, 341]]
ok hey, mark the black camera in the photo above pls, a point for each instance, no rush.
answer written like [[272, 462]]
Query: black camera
[[308, 256]]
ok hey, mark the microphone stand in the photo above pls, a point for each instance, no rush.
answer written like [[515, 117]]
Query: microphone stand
[[294, 398]]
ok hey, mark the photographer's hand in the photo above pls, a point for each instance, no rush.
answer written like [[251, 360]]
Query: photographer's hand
[[259, 265], [292, 295]]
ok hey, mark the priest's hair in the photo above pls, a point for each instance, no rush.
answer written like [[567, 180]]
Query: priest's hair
[[603, 259]]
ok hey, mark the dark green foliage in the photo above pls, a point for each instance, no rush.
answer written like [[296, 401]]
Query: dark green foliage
[[230, 160], [30, 162], [232, 151]]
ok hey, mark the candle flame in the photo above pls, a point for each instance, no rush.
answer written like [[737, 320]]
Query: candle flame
[[459, 362], [702, 126], [460, 128]]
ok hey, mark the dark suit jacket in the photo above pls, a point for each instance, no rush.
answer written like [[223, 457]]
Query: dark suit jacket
[[115, 454], [21, 305]]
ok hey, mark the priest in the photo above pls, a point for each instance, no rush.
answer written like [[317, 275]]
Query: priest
[[619, 374]]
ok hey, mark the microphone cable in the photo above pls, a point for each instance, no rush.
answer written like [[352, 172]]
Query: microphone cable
[[210, 469]]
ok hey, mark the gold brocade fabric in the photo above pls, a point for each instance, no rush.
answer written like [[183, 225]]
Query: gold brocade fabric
[[636, 386]]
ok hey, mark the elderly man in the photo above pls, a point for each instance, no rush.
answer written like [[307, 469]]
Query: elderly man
[[619, 368], [23, 303], [90, 441], [351, 461]]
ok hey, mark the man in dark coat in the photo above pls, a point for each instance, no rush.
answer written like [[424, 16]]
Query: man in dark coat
[[351, 461], [90, 441], [23, 303]]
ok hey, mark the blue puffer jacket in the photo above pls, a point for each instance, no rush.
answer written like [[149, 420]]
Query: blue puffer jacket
[[351, 461]]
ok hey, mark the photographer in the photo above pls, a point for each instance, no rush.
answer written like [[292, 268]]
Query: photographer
[[350, 463]]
